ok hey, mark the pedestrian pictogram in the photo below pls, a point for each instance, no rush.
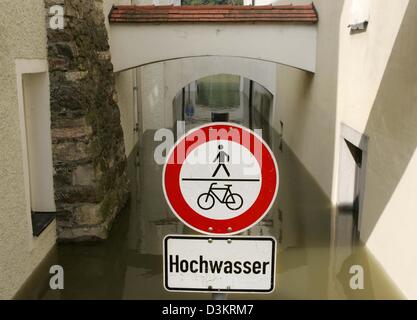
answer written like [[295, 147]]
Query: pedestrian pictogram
[[220, 178], [221, 157]]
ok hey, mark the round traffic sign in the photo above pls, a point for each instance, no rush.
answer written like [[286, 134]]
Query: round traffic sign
[[220, 178]]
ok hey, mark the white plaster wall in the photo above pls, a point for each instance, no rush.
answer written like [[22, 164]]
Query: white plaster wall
[[364, 58], [139, 44], [162, 81], [22, 36], [377, 93], [359, 11], [124, 87], [307, 102], [126, 102], [154, 113]]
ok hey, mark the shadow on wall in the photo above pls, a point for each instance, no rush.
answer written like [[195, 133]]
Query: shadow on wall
[[392, 124], [306, 102]]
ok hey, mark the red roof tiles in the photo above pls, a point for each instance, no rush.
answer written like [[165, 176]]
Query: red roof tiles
[[216, 13]]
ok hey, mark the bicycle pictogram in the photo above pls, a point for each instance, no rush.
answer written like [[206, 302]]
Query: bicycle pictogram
[[233, 201]]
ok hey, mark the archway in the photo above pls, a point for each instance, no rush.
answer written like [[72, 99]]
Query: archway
[[142, 35], [160, 83], [223, 97]]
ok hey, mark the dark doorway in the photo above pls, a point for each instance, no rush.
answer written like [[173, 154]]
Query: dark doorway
[[352, 180]]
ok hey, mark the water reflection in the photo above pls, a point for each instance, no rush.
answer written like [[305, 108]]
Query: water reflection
[[315, 249], [203, 114]]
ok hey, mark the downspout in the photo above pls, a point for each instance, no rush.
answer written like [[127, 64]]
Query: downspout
[[135, 99], [183, 105], [251, 104]]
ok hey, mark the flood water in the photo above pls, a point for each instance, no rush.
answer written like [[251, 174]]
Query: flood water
[[316, 247]]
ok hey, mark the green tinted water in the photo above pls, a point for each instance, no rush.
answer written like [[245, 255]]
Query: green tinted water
[[315, 250]]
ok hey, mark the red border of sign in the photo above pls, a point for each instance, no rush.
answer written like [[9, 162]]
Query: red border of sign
[[261, 206]]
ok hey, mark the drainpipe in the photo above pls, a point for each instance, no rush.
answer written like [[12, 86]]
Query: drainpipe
[[183, 105], [250, 104], [135, 99], [137, 130]]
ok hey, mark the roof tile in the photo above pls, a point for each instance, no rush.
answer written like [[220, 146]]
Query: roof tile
[[210, 13]]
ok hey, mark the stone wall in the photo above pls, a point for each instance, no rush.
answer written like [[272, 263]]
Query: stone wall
[[90, 178]]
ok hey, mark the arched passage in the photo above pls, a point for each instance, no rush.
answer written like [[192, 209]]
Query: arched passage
[[224, 97], [161, 82]]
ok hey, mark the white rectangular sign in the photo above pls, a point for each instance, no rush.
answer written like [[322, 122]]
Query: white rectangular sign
[[219, 264]]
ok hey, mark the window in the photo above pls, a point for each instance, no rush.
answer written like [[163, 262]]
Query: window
[[352, 172], [34, 110]]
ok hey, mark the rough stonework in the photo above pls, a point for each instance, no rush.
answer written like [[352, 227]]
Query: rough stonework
[[90, 177]]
